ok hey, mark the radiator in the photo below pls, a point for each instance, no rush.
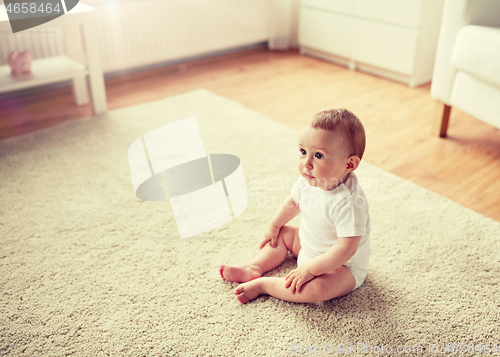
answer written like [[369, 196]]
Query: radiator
[[42, 44], [140, 33]]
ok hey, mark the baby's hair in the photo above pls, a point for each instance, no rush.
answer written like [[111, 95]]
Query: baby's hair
[[347, 124]]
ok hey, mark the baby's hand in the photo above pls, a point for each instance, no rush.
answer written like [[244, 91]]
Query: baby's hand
[[270, 235], [297, 278]]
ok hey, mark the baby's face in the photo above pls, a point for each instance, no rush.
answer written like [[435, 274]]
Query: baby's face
[[323, 161]]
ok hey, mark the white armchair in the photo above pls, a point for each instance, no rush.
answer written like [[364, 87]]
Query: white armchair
[[467, 68]]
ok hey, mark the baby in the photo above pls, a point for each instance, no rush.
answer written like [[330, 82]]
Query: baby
[[331, 245]]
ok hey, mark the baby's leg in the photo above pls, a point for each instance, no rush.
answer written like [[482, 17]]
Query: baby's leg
[[266, 259], [323, 287]]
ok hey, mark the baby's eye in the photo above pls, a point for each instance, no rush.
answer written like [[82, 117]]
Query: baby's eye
[[319, 155], [302, 151]]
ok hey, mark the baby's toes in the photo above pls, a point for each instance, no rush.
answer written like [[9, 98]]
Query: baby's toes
[[239, 290], [221, 271]]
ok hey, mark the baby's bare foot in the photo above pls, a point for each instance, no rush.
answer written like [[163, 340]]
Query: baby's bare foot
[[249, 291], [240, 273]]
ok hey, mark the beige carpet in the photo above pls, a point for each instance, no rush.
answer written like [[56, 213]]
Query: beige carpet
[[88, 269]]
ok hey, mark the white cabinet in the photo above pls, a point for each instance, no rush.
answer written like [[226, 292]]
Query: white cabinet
[[81, 61], [396, 39]]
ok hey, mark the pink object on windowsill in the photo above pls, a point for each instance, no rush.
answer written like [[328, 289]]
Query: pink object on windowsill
[[19, 62]]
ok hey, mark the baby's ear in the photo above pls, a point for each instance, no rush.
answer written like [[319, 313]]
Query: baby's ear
[[353, 163]]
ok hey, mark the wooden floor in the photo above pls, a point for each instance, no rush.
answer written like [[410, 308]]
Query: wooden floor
[[289, 88]]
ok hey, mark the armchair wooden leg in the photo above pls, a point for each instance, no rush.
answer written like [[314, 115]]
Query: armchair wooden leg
[[441, 119]]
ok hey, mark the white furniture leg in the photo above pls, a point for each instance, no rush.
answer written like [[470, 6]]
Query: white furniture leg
[[96, 78], [80, 93], [73, 48]]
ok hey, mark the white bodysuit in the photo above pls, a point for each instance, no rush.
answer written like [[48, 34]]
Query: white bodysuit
[[326, 215]]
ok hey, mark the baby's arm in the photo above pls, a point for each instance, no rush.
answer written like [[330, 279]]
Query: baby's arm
[[334, 257], [288, 210]]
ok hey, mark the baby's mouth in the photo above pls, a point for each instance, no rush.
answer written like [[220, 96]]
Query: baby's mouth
[[308, 176]]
